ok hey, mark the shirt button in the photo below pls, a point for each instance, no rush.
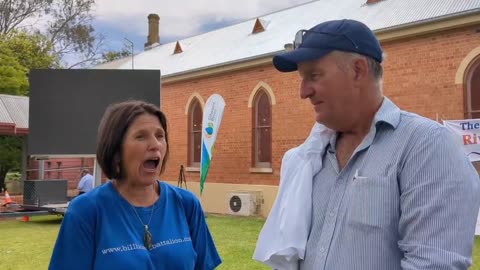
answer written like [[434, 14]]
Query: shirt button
[[331, 214], [322, 249]]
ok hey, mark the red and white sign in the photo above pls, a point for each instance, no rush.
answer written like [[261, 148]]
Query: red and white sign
[[468, 134]]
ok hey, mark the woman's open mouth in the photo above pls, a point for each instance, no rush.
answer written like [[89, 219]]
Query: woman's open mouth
[[151, 164]]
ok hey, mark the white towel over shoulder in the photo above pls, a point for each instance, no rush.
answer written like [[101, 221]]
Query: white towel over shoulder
[[283, 238]]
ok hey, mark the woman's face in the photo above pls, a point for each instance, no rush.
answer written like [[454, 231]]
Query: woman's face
[[144, 147]]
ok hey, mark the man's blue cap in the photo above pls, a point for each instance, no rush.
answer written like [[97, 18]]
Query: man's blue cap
[[322, 39]]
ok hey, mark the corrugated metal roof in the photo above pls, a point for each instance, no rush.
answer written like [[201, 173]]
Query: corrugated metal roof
[[4, 115], [235, 43], [14, 111], [115, 63], [392, 13]]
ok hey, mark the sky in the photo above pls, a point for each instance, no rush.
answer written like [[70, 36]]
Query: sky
[[120, 19]]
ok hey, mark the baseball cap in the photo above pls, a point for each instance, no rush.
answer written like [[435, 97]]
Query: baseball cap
[[337, 35]]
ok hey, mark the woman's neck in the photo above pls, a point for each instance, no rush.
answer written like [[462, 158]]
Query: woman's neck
[[138, 195]]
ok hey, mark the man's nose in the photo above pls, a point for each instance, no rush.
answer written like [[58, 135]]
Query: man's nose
[[306, 90]]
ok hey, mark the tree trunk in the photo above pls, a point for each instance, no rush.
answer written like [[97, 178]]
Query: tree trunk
[[3, 175]]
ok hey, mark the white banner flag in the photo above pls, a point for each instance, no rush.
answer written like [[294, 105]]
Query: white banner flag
[[468, 134], [212, 117]]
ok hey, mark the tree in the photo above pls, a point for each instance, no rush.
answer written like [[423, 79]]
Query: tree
[[20, 52], [32, 50], [10, 156], [13, 79], [114, 55], [66, 23], [15, 12]]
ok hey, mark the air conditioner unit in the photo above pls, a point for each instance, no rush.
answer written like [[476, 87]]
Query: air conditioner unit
[[244, 203]]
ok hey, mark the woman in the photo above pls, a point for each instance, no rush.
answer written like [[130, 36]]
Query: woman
[[134, 221]]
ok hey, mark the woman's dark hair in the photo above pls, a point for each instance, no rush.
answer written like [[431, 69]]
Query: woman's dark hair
[[112, 129]]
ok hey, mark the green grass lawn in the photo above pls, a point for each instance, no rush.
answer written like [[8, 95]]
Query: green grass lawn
[[476, 255], [28, 245], [235, 238]]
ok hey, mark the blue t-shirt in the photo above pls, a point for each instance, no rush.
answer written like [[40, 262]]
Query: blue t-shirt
[[101, 231]]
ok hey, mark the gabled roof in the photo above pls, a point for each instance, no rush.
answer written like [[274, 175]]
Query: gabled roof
[[178, 48], [13, 115], [236, 43], [259, 26]]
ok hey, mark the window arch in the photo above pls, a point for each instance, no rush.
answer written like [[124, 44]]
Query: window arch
[[472, 91], [195, 116], [262, 86], [262, 130]]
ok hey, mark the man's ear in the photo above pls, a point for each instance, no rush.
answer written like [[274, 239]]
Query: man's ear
[[360, 68]]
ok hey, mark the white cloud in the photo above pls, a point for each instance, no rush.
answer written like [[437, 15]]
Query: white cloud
[[182, 17]]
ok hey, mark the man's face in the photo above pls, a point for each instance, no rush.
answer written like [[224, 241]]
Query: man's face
[[329, 85]]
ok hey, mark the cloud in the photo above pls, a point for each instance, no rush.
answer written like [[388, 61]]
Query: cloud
[[182, 18]]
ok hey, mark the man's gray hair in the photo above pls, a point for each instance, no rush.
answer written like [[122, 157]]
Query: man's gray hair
[[375, 68]]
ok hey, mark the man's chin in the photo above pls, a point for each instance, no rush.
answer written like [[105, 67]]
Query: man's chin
[[320, 118]]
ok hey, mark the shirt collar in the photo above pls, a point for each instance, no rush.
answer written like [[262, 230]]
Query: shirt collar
[[388, 113]]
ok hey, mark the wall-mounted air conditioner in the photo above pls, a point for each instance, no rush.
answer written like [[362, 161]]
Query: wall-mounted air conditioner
[[244, 203]]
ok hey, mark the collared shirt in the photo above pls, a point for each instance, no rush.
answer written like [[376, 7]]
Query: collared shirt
[[86, 183], [408, 198]]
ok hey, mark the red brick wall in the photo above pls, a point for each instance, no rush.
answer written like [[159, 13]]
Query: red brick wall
[[419, 77], [420, 72], [232, 157]]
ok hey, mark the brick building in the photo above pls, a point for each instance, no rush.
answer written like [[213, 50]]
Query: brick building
[[432, 68]]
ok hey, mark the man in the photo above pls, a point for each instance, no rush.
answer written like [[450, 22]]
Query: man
[[86, 182], [385, 189]]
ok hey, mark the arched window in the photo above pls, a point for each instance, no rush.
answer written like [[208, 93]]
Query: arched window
[[195, 115], [472, 95], [262, 131]]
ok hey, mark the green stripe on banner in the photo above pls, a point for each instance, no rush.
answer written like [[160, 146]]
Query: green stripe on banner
[[205, 167]]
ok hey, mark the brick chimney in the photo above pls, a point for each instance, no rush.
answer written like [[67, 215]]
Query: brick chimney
[[153, 30], [373, 1]]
